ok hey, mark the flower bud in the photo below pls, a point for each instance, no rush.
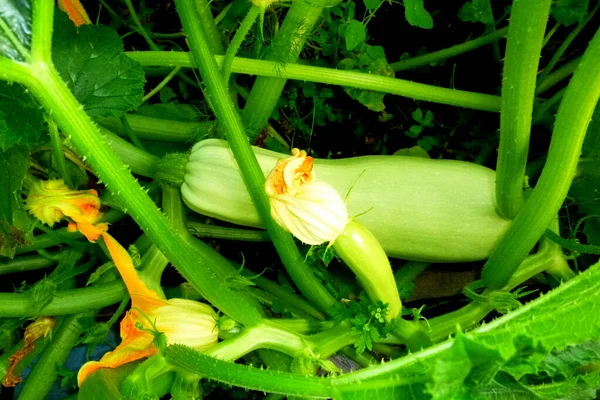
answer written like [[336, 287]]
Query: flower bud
[[311, 210], [187, 322]]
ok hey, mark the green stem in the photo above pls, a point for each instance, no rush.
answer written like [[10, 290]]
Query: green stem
[[541, 109], [565, 44], [252, 174], [196, 263], [17, 305], [59, 158], [444, 54], [558, 75], [525, 36], [221, 232], [161, 85], [24, 263], [329, 76], [45, 371], [139, 161], [139, 27], [237, 41], [131, 134], [283, 295], [572, 120], [285, 49], [205, 18], [159, 129], [408, 272]]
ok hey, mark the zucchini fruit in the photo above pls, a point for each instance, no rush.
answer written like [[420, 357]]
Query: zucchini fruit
[[419, 209]]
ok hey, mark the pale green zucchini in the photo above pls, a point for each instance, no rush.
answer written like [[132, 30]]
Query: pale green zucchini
[[419, 209]]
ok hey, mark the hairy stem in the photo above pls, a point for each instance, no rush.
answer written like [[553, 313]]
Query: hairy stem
[[525, 36], [444, 54], [251, 171], [329, 76], [572, 120]]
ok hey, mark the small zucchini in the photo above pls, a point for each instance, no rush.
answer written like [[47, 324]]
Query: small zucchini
[[419, 209]]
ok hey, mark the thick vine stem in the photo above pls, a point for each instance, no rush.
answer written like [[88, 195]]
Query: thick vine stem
[[252, 174], [572, 120], [286, 48], [330, 76], [528, 20], [198, 264]]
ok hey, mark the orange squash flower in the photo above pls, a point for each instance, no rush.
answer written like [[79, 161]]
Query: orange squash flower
[[50, 201], [181, 321]]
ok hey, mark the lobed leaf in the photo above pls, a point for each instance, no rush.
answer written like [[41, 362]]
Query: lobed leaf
[[91, 61]]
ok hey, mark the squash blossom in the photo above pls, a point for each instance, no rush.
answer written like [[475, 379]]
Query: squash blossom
[[75, 11], [51, 201], [311, 210], [315, 213], [182, 321]]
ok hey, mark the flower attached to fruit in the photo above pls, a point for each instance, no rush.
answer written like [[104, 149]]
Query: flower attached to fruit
[[311, 210], [181, 321], [50, 201]]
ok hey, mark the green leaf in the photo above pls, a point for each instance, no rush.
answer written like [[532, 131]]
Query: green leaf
[[355, 34], [568, 361], [371, 59], [15, 28], [15, 223], [417, 115], [417, 15], [476, 11], [568, 12], [92, 63], [21, 119], [372, 4]]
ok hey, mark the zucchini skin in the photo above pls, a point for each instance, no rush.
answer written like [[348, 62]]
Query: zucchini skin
[[419, 209]]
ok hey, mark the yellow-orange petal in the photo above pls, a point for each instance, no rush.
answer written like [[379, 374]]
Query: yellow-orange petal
[[137, 345], [75, 11], [142, 297]]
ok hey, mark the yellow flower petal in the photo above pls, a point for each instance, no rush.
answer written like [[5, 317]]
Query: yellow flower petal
[[50, 201], [181, 321], [311, 210]]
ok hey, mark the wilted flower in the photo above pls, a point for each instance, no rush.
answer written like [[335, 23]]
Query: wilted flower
[[50, 201], [181, 321], [311, 210], [40, 328]]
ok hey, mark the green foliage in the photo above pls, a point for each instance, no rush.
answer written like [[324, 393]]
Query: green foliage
[[568, 12], [91, 61], [372, 60], [477, 11], [15, 224], [16, 16], [417, 15], [21, 120], [354, 33], [585, 189], [367, 319]]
